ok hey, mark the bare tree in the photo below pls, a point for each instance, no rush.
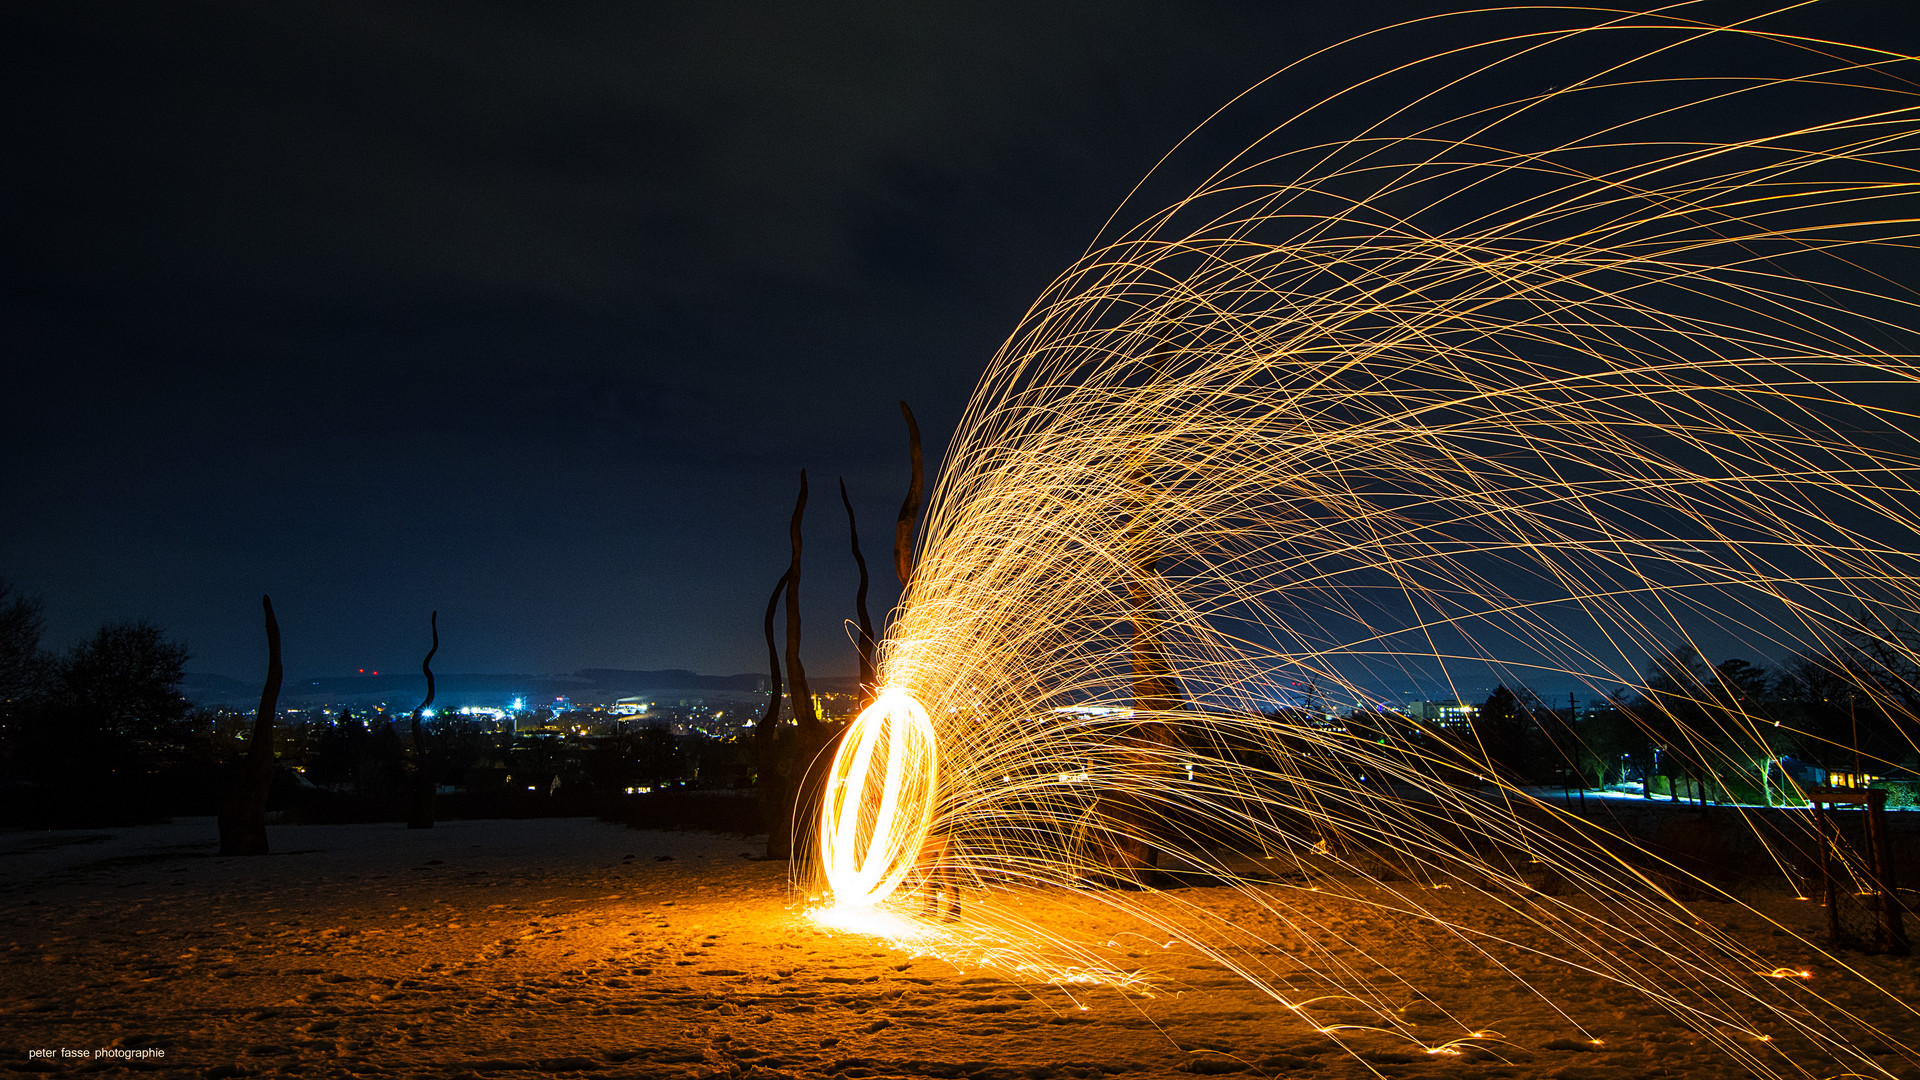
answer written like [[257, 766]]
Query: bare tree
[[1886, 644], [420, 808], [23, 667], [243, 810]]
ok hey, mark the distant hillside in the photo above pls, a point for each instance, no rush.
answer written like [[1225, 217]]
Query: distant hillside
[[672, 679], [828, 684], [215, 689], [587, 686]]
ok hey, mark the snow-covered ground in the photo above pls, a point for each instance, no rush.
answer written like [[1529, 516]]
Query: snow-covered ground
[[508, 948]]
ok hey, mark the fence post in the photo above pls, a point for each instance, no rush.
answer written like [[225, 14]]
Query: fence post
[[1823, 824], [1892, 928]]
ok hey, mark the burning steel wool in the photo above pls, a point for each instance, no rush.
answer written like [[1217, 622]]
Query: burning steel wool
[[1539, 383], [875, 823]]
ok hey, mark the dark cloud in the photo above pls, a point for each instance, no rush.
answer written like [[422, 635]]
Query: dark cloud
[[579, 153], [534, 311]]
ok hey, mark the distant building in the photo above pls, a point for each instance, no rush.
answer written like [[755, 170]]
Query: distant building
[[1449, 713]]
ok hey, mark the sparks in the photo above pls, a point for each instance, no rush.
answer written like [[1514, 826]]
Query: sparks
[[1326, 422]]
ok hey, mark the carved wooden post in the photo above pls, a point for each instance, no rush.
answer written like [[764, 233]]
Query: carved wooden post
[[909, 510], [867, 689], [1893, 931], [1130, 855], [420, 809], [796, 674], [810, 732], [771, 787], [243, 809]]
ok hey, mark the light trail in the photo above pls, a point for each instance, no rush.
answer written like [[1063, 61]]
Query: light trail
[[1542, 387], [875, 823]]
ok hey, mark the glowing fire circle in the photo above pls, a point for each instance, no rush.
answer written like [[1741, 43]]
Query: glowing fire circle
[[879, 800]]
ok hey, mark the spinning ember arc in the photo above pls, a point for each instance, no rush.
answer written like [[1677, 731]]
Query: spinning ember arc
[[879, 799], [1527, 388]]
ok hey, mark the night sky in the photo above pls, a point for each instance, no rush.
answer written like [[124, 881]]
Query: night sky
[[533, 314]]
